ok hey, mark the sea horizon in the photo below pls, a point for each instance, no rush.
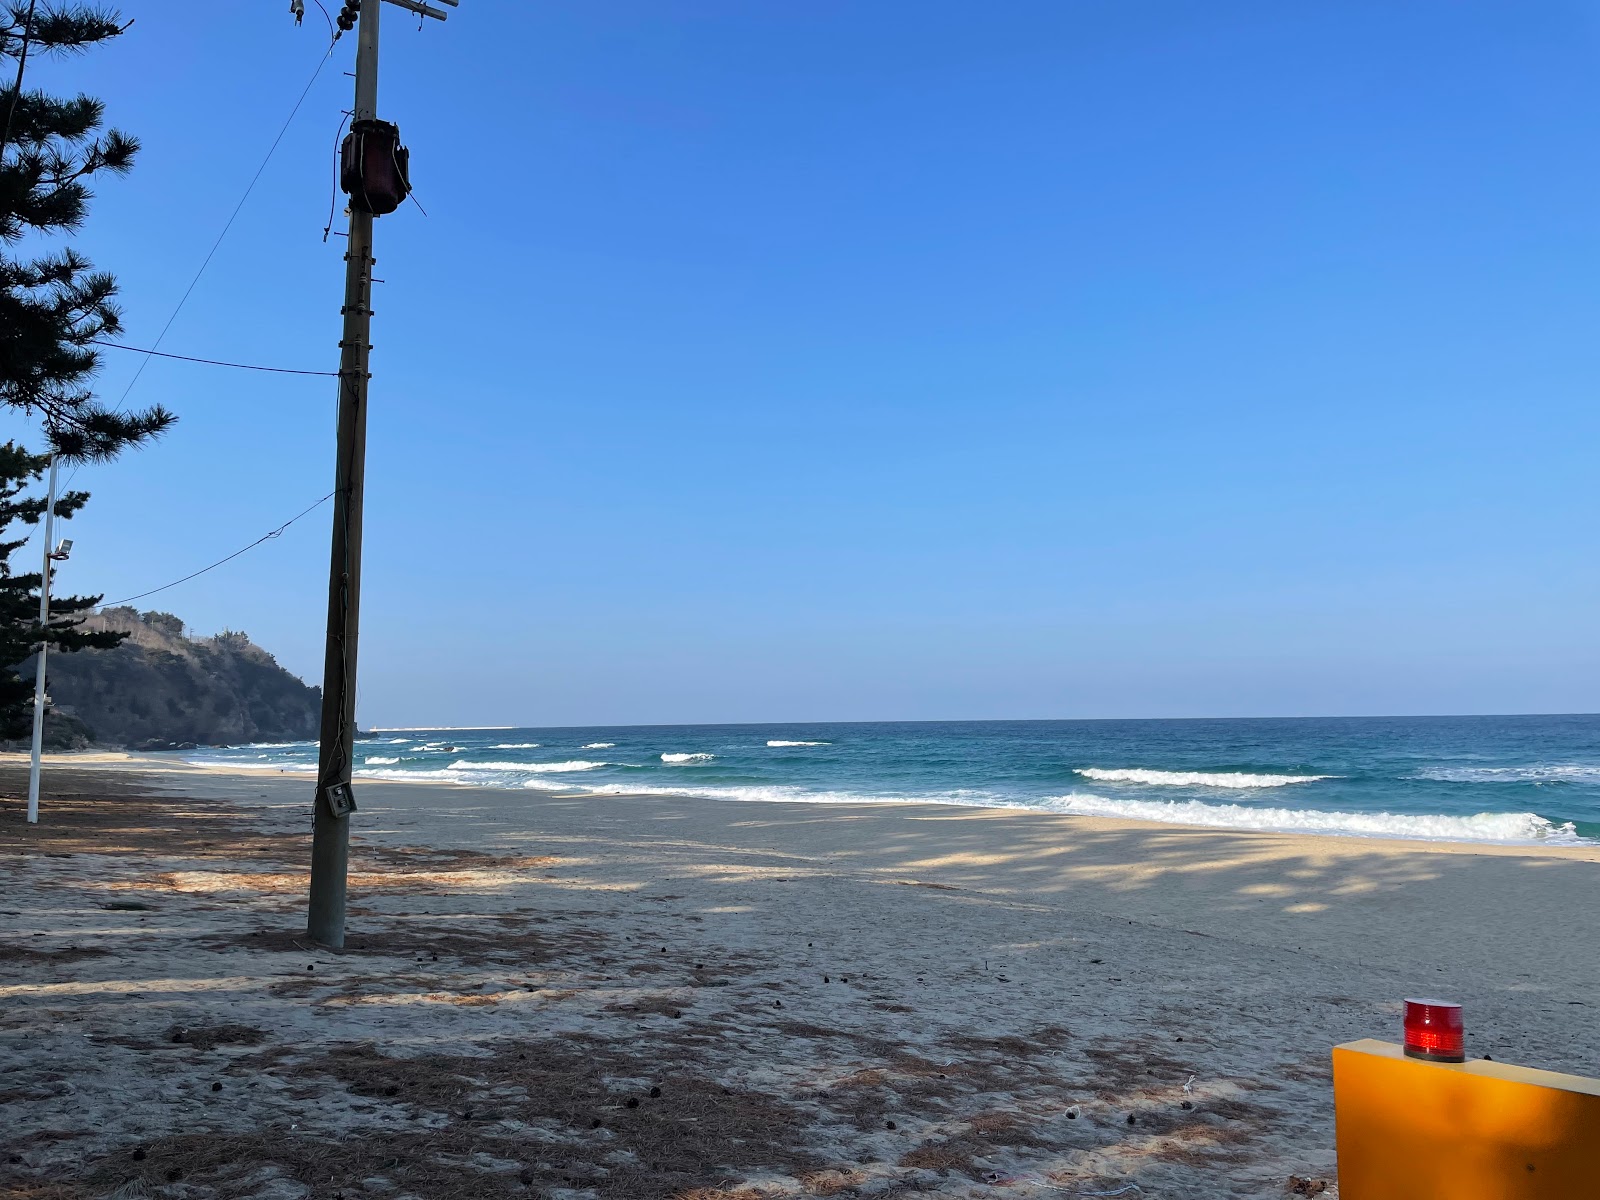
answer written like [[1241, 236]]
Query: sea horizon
[[363, 730]]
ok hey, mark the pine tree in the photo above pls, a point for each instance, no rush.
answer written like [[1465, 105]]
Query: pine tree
[[20, 635], [53, 305]]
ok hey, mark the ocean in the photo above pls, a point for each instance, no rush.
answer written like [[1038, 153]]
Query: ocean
[[1509, 780]]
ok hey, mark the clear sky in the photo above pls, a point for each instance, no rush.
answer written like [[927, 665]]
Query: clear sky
[[764, 361]]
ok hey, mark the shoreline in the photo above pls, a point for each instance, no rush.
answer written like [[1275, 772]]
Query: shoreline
[[1583, 851]]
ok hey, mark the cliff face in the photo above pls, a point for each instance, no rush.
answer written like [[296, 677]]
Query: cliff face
[[161, 686]]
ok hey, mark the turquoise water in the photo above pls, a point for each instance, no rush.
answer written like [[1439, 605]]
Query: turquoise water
[[1492, 779]]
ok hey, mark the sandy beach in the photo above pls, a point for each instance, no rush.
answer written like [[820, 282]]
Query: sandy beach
[[660, 997]]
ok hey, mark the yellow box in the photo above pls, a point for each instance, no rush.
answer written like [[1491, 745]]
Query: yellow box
[[1415, 1130]]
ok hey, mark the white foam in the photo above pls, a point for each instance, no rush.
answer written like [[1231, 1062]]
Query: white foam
[[1554, 773], [786, 794], [281, 764], [1481, 827], [515, 746], [441, 728], [780, 743], [1217, 779], [598, 745], [1485, 827], [375, 760], [687, 758], [401, 775], [273, 745], [554, 768]]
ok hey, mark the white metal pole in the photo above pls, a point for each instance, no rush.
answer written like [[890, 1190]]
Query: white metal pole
[[44, 649]]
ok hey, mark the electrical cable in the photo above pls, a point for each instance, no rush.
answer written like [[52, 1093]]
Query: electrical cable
[[332, 36], [278, 532], [210, 254], [211, 362], [333, 193]]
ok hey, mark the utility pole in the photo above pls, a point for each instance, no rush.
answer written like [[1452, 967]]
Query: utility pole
[[44, 649], [330, 830], [376, 183]]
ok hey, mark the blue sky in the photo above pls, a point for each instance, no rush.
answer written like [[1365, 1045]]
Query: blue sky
[[843, 361]]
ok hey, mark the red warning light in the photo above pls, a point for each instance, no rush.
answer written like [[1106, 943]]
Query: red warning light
[[1434, 1031]]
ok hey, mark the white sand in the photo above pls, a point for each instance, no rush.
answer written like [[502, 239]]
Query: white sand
[[1005, 987]]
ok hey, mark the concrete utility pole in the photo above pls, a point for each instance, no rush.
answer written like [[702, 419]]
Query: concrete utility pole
[[330, 827], [330, 830], [44, 649]]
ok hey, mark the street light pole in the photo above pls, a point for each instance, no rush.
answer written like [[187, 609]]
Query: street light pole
[[44, 649]]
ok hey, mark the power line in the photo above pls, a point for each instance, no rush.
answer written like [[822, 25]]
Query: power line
[[332, 36], [210, 254], [212, 362], [265, 537], [333, 193]]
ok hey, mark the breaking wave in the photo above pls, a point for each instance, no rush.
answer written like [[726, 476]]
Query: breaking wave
[[598, 745], [791, 794], [781, 743], [402, 775], [463, 776], [375, 760], [515, 746], [1216, 779], [1481, 827], [687, 758]]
